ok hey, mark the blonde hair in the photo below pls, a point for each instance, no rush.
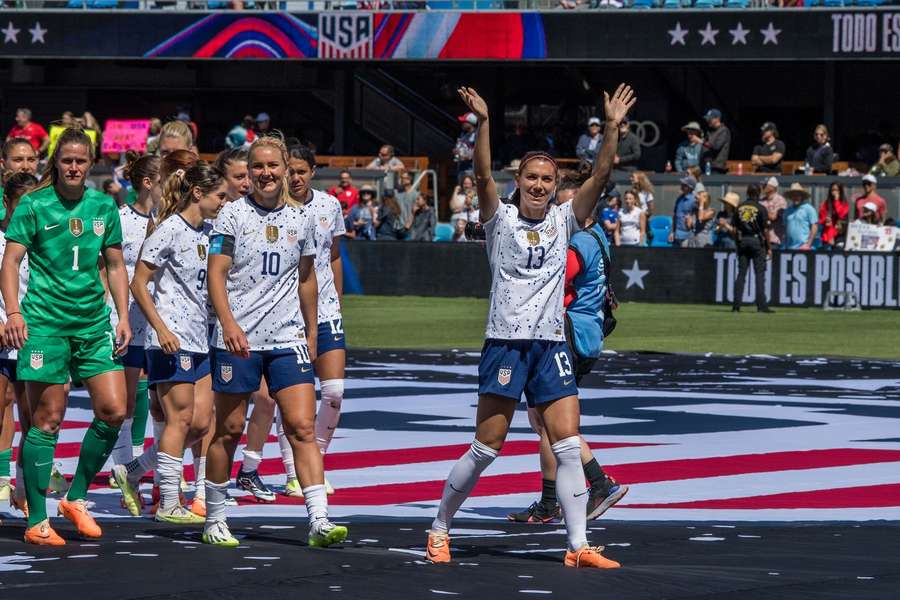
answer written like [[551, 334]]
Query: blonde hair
[[821, 127], [275, 139], [643, 182], [177, 129]]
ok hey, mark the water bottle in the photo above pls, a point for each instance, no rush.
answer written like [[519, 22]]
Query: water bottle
[[740, 168], [708, 168], [668, 166], [806, 168]]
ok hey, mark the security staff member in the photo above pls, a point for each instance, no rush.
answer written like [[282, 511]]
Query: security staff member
[[751, 224]]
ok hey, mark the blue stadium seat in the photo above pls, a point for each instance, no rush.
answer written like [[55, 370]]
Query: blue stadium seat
[[671, 3], [643, 4], [736, 3], [443, 232], [870, 2], [833, 3], [660, 226], [708, 3]]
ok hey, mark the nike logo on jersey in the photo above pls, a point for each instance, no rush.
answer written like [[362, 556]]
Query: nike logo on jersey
[[49, 227], [568, 381], [44, 464]]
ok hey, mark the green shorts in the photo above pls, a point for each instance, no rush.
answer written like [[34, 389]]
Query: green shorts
[[53, 359]]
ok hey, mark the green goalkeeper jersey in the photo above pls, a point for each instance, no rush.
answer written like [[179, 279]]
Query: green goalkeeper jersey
[[64, 239]]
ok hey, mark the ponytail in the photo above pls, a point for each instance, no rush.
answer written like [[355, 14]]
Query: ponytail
[[138, 166], [178, 190]]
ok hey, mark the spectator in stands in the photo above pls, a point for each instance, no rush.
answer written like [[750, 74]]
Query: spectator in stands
[[463, 190], [869, 214], [263, 123], [689, 151], [632, 229], [775, 205], [820, 155], [520, 142], [459, 231], [870, 183], [801, 220], [589, 143], [153, 136], [175, 135], [628, 152], [465, 144], [31, 131], [609, 216], [724, 228], [833, 214], [113, 189], [405, 194], [344, 191], [641, 184], [361, 215], [386, 161], [887, 165], [422, 221], [389, 223], [241, 135], [718, 142], [68, 119], [684, 206], [768, 156], [700, 221], [184, 116]]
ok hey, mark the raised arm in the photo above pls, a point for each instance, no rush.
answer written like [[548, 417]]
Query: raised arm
[[488, 200], [615, 109]]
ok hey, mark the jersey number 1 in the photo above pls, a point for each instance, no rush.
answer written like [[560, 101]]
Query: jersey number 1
[[74, 258]]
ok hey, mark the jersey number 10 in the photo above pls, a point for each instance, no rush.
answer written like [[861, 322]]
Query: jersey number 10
[[271, 263]]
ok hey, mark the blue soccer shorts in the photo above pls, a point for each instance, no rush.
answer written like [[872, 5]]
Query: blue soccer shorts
[[541, 369]]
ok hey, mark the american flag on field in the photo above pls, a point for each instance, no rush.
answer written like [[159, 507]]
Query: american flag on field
[[345, 35], [715, 441]]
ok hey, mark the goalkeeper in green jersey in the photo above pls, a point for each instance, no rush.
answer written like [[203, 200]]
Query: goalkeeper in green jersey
[[62, 329]]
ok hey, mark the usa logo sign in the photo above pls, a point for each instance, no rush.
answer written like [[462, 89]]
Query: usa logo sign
[[37, 360], [347, 35], [225, 372], [504, 376]]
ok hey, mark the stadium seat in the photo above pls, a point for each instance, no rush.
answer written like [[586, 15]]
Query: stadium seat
[[660, 226], [643, 4], [708, 3], [443, 232], [671, 3], [870, 2], [736, 3]]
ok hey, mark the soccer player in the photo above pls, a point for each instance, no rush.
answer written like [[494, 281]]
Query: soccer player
[[17, 185], [325, 211], [525, 350], [17, 156], [143, 173], [261, 256], [174, 258], [586, 305], [62, 327]]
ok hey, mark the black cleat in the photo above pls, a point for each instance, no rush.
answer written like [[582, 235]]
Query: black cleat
[[602, 500], [536, 513], [250, 482]]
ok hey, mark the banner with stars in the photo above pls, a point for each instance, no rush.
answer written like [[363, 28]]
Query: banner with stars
[[657, 35]]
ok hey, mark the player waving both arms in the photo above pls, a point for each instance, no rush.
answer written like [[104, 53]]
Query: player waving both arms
[[260, 258], [62, 326], [525, 348]]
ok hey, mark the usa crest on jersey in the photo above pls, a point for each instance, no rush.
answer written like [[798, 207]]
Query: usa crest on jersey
[[292, 235], [504, 376], [185, 363], [225, 372], [37, 360], [271, 233], [76, 226], [99, 227]]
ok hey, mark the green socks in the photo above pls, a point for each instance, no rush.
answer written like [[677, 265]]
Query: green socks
[[37, 462], [141, 410], [5, 458], [95, 449]]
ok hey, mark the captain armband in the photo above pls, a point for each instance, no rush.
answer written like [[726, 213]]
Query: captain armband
[[222, 244]]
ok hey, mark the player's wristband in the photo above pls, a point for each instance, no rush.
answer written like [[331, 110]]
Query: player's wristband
[[13, 313]]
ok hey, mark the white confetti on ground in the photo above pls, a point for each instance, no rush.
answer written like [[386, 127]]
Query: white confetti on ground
[[277, 527], [535, 551], [749, 537], [724, 526], [620, 544], [89, 545], [82, 556], [526, 576], [707, 539], [466, 564], [369, 541], [35, 572], [123, 552], [865, 578], [444, 593], [263, 558], [408, 551], [535, 592], [10, 563], [774, 573], [464, 531], [145, 555], [243, 568], [144, 536], [186, 542]]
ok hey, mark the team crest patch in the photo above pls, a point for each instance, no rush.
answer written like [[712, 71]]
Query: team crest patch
[[323, 221], [225, 373], [504, 376], [185, 362], [534, 237], [201, 251], [551, 231], [272, 233], [76, 226], [99, 227], [37, 360], [292, 235]]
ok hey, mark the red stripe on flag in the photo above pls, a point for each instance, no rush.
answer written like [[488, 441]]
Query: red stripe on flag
[[870, 496]]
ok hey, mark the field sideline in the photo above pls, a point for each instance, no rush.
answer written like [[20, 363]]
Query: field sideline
[[458, 323]]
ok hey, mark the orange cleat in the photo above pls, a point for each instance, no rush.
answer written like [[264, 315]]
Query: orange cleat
[[589, 557], [43, 535], [75, 511], [438, 548], [198, 507]]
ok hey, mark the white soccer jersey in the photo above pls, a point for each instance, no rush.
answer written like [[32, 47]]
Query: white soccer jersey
[[325, 211], [12, 353], [263, 283], [178, 251], [134, 230], [528, 268]]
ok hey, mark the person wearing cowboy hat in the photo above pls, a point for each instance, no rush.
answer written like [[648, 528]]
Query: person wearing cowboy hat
[[724, 228], [800, 219], [688, 152]]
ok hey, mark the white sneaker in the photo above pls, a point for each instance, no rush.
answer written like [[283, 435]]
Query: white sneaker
[[216, 533], [324, 533], [5, 489]]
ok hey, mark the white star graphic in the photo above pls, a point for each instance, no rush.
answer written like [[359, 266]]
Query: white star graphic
[[678, 34], [770, 34], [739, 35], [708, 34], [10, 34], [37, 33], [635, 275]]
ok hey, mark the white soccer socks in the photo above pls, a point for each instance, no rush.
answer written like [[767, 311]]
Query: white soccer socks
[[169, 468], [462, 479], [570, 490], [329, 411]]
